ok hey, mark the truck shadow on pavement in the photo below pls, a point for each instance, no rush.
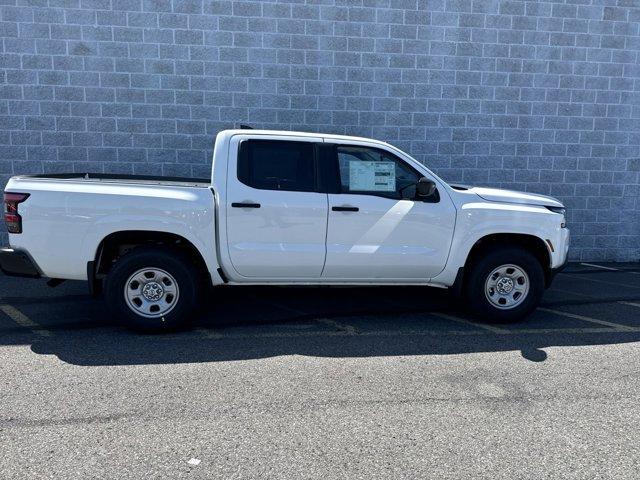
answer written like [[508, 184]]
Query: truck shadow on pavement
[[243, 323], [129, 349]]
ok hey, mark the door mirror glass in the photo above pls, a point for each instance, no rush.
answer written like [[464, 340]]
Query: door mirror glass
[[425, 187]]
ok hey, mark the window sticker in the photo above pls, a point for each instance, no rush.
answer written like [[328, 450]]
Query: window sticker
[[372, 176]]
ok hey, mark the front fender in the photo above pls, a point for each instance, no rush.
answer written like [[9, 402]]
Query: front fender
[[477, 220]]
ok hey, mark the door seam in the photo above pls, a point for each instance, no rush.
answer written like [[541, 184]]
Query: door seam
[[326, 238]]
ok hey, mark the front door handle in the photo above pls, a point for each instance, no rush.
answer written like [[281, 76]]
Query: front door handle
[[345, 208], [245, 205]]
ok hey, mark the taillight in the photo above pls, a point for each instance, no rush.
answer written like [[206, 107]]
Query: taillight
[[11, 217]]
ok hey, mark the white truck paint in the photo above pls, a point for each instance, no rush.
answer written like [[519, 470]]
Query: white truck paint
[[295, 237]]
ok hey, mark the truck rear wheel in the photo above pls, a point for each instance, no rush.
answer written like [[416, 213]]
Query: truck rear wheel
[[504, 285], [153, 289]]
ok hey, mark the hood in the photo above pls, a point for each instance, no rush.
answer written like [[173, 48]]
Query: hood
[[512, 196]]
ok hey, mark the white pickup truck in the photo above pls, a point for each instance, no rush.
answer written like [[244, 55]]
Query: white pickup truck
[[283, 208]]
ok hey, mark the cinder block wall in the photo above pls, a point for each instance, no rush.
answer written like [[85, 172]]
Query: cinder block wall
[[536, 96]]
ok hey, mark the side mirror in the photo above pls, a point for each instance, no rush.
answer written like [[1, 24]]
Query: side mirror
[[425, 187]]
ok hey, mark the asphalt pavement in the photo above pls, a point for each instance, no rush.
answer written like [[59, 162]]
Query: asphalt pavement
[[324, 383]]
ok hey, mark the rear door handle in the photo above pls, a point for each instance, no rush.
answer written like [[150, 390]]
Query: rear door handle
[[245, 205], [345, 208]]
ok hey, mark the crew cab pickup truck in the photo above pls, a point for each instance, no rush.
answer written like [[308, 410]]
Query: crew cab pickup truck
[[283, 208]]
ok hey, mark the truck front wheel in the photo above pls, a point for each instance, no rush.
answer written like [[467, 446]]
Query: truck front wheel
[[504, 285], [153, 289]]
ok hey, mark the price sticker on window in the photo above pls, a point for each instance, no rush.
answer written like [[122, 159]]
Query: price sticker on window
[[372, 176]]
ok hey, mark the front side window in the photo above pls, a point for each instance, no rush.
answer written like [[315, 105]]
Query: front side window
[[277, 165], [372, 171]]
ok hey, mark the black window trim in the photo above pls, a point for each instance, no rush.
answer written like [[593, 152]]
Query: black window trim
[[435, 198], [329, 175], [326, 166]]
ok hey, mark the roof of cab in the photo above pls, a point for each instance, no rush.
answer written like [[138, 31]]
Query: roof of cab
[[246, 131]]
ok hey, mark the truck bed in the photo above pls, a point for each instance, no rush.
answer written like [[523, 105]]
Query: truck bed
[[67, 216], [116, 178]]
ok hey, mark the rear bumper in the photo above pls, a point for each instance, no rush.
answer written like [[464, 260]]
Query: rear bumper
[[17, 263]]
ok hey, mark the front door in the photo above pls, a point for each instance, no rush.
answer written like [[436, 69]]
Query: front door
[[378, 228], [276, 218]]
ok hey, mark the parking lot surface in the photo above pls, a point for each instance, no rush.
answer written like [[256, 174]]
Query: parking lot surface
[[324, 383]]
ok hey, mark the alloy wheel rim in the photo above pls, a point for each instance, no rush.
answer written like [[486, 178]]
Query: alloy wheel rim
[[507, 286], [151, 292]]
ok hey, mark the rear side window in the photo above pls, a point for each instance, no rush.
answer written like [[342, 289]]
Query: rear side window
[[277, 165]]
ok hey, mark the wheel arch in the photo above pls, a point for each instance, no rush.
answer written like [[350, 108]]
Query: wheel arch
[[117, 244], [536, 245]]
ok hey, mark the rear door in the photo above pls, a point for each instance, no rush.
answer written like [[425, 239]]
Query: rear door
[[276, 216], [378, 228]]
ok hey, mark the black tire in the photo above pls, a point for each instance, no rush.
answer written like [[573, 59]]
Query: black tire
[[182, 270], [477, 300]]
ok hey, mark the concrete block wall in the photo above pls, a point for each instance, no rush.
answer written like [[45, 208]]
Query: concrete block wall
[[530, 95]]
